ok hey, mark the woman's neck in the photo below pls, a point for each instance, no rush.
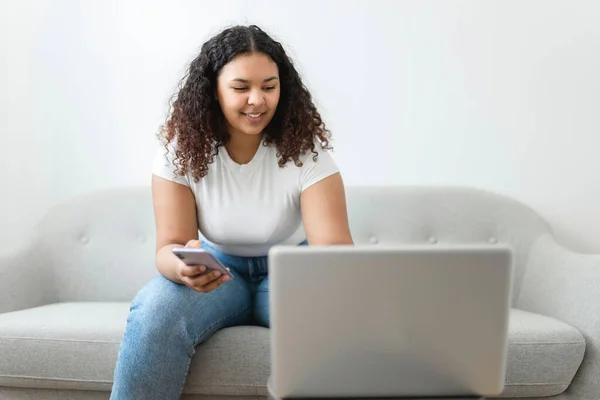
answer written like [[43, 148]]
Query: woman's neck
[[242, 147]]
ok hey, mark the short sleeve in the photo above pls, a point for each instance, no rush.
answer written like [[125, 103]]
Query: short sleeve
[[314, 171], [164, 165]]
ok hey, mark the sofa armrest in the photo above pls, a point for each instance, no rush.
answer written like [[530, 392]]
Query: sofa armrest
[[565, 285], [25, 280]]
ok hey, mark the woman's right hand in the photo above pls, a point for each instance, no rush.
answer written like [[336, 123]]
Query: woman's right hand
[[197, 277]]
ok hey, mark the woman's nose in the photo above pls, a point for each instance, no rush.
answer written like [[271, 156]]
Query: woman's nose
[[256, 98]]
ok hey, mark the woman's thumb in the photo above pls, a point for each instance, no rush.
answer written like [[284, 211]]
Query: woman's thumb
[[193, 243]]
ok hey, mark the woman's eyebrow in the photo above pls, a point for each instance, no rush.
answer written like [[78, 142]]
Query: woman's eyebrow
[[242, 80]]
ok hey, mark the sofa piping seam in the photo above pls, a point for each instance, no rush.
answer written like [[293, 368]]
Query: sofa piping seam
[[544, 343], [55, 340]]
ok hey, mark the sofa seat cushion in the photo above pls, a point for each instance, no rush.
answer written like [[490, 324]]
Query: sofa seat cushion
[[75, 346], [543, 355]]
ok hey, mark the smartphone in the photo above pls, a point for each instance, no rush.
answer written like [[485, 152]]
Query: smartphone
[[195, 256]]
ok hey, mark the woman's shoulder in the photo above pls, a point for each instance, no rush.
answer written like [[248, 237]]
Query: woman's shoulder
[[315, 164]]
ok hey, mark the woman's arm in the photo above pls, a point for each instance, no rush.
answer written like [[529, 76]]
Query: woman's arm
[[324, 213], [176, 222]]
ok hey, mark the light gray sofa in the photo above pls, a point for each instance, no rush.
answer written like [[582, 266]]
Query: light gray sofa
[[64, 295]]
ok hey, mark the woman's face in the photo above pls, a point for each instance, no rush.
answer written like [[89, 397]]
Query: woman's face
[[248, 92]]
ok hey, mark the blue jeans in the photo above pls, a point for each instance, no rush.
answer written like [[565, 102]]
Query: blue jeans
[[167, 320]]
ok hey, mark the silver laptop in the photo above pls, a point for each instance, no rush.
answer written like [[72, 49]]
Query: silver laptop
[[376, 321]]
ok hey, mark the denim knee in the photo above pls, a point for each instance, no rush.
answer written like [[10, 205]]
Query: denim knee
[[162, 310], [165, 309]]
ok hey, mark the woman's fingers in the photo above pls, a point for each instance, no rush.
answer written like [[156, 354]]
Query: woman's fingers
[[215, 284], [191, 271], [205, 282]]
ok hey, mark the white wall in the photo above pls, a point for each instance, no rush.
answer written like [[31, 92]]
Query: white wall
[[502, 95]]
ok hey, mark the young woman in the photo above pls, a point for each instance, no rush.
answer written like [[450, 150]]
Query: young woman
[[245, 163]]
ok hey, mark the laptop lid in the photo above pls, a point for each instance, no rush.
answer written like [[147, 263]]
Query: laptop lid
[[352, 321]]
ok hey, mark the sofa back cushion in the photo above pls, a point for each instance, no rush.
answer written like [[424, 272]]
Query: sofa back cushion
[[433, 215], [101, 245]]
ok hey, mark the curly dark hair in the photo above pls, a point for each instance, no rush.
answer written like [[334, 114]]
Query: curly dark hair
[[196, 119]]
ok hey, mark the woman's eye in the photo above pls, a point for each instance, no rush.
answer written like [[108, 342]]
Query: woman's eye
[[243, 89]]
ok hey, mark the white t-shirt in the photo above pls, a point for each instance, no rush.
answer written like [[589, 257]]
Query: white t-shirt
[[244, 209]]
